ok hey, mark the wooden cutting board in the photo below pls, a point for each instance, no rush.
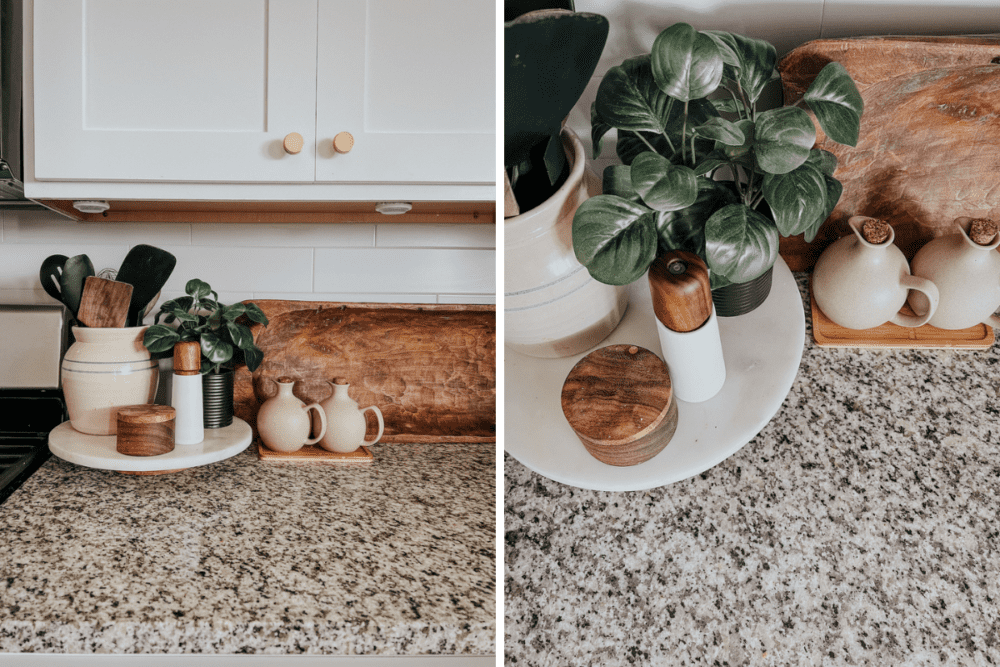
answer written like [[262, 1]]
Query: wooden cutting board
[[927, 151], [104, 303], [430, 369]]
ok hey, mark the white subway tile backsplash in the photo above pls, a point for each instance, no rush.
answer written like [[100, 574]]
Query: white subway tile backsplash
[[242, 269], [418, 270], [485, 299], [416, 235], [908, 17], [48, 227], [25, 297], [19, 263], [284, 235], [348, 297]]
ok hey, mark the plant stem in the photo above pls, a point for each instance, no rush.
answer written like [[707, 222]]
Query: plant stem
[[643, 140], [684, 132]]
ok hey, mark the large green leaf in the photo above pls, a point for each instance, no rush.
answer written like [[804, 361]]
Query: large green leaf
[[783, 138], [618, 181], [685, 229], [686, 64], [160, 338], [549, 60], [740, 243], [630, 146], [256, 314], [598, 128], [797, 199], [253, 356], [835, 100], [825, 161], [833, 191], [755, 62], [215, 349], [629, 99], [721, 130], [663, 186], [614, 238]]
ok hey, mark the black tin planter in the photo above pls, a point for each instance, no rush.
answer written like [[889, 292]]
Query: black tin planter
[[217, 397], [741, 298]]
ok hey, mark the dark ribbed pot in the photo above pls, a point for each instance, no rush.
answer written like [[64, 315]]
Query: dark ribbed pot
[[217, 397], [741, 298]]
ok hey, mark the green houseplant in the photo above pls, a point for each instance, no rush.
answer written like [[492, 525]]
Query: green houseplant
[[697, 171], [224, 340]]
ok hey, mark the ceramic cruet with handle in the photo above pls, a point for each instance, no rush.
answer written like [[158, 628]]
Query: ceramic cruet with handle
[[346, 424], [966, 269], [283, 420], [862, 280]]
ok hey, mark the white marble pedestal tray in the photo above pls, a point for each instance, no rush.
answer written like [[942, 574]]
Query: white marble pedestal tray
[[762, 350], [98, 451]]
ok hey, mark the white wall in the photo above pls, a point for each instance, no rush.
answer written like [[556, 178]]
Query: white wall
[[393, 262], [784, 23]]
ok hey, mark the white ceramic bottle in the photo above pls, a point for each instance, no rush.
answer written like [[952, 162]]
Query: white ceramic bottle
[[283, 420], [186, 394], [346, 425]]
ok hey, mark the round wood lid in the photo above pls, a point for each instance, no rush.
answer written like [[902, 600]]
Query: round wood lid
[[619, 401], [146, 414]]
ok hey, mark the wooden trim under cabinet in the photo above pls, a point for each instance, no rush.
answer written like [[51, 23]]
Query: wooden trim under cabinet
[[276, 211]]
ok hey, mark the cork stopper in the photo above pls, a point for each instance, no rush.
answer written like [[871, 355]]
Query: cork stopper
[[284, 379], [187, 358], [982, 231], [340, 381], [875, 231]]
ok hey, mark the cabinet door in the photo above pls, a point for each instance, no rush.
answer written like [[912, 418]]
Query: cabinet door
[[414, 83], [174, 90]]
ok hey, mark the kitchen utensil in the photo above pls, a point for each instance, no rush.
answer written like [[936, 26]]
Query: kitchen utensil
[[104, 303], [283, 420], [75, 272], [967, 275], [687, 325], [145, 430], [861, 284], [147, 269], [50, 275], [346, 426], [186, 393], [620, 403]]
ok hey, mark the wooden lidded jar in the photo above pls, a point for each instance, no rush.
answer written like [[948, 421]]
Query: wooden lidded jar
[[620, 402], [145, 430]]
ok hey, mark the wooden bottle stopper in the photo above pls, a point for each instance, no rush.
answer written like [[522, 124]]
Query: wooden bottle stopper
[[145, 430], [620, 402], [875, 231], [982, 231], [187, 358], [682, 294]]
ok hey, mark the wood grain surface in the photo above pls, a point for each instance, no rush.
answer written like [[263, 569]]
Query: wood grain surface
[[315, 454], [104, 303], [926, 152], [827, 333], [619, 401], [145, 430], [679, 286], [431, 369]]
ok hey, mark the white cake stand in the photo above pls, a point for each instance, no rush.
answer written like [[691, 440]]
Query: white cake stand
[[98, 451], [762, 351]]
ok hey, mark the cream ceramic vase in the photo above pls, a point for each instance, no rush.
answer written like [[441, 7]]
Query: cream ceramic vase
[[106, 369], [860, 285], [967, 276], [283, 420], [552, 307], [346, 425]]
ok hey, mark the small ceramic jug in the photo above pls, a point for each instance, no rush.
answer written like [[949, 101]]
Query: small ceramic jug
[[346, 425], [859, 284], [967, 275], [283, 420]]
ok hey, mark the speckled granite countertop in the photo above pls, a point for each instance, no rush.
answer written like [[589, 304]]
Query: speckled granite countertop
[[395, 558], [860, 527]]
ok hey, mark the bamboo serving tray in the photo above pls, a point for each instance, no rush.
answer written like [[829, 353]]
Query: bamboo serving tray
[[315, 454], [828, 334]]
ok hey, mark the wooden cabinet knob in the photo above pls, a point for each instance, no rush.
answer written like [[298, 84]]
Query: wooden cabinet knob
[[293, 143], [343, 142]]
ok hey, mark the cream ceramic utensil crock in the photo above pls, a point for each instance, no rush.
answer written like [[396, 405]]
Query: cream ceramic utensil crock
[[967, 276], [106, 369], [283, 420], [859, 284], [346, 425]]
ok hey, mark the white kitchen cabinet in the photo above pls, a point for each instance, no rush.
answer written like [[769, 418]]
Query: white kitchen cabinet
[[192, 99]]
